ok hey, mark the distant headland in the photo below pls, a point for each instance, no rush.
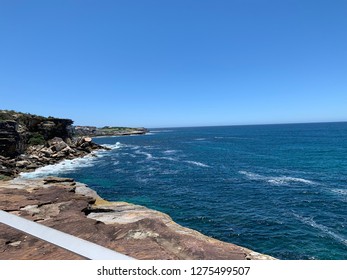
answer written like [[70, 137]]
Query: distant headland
[[93, 131]]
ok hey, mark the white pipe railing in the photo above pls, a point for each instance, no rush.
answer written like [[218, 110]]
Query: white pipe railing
[[69, 242]]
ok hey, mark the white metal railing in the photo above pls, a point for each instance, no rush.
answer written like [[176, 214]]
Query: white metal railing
[[69, 242]]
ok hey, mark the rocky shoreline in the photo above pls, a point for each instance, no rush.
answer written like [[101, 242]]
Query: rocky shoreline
[[53, 152], [130, 229], [28, 142]]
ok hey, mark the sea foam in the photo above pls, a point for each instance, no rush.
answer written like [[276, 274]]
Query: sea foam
[[114, 146], [61, 167], [169, 152], [340, 191], [69, 165], [275, 180], [309, 221], [197, 163]]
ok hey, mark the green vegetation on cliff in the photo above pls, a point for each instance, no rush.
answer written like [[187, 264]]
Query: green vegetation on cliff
[[36, 139], [11, 115], [115, 128], [4, 178]]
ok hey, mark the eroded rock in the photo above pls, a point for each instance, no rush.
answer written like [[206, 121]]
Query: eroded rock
[[130, 229]]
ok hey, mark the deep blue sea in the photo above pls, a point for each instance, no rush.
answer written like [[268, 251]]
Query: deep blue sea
[[277, 189]]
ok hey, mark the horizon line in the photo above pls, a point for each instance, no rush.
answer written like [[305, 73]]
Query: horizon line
[[256, 124]]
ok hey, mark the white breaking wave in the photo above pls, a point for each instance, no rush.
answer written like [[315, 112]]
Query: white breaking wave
[[197, 163], [69, 165], [322, 228], [200, 139], [148, 155], [61, 167], [114, 146], [279, 180], [285, 179]]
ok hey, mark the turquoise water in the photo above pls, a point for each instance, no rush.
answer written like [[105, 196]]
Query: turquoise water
[[277, 189]]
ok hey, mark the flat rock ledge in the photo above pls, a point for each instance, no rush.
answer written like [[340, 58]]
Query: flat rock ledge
[[133, 230]]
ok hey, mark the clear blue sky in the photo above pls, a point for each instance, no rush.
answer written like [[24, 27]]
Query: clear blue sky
[[175, 62]]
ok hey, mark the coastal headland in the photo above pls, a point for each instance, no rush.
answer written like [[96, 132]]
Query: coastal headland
[[93, 131], [28, 142]]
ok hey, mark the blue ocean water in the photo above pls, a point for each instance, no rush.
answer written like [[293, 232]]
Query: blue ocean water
[[277, 189]]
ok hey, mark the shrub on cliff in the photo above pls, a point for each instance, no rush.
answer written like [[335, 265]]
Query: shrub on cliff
[[4, 178], [36, 139]]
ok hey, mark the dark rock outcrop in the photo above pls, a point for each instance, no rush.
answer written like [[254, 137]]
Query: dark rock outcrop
[[19, 130], [10, 140], [56, 128]]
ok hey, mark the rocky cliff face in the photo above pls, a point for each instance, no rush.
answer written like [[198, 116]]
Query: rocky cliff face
[[10, 139], [19, 130], [29, 141]]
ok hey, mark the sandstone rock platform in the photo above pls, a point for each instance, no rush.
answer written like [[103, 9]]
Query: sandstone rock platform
[[129, 229]]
